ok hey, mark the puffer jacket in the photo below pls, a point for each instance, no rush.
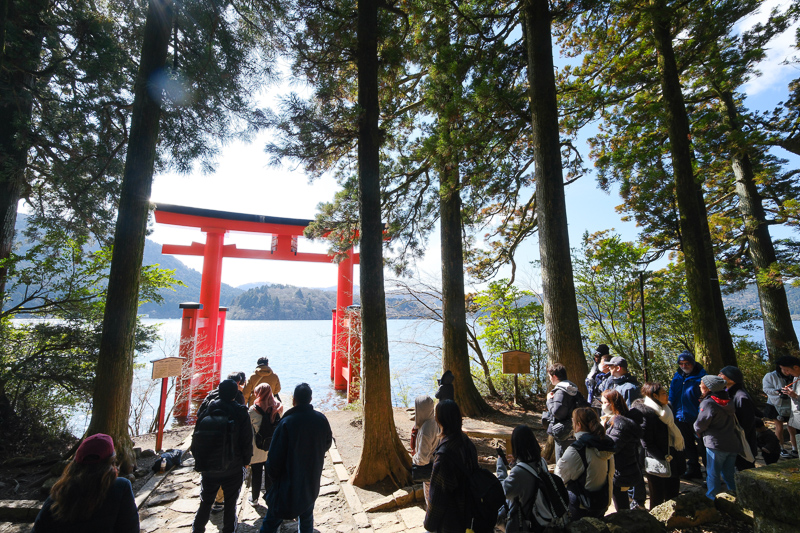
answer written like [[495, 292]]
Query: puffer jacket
[[427, 431], [626, 435], [561, 405], [262, 374], [715, 423], [599, 457], [625, 384], [772, 383], [520, 488], [684, 394]]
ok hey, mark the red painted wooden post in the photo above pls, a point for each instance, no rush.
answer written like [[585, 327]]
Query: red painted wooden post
[[187, 349], [344, 298], [211, 280], [223, 311], [333, 342]]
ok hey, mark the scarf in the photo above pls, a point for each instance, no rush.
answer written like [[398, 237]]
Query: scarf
[[665, 415], [266, 401]]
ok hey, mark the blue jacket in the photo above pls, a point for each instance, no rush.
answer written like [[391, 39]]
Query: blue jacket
[[295, 460], [626, 385], [684, 394]]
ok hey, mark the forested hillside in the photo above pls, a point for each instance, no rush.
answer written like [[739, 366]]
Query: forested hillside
[[282, 302], [748, 299]]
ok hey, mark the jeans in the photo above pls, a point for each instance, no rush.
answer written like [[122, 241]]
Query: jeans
[[720, 464], [231, 484], [272, 523]]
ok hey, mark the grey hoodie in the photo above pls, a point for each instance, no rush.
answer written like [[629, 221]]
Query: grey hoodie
[[427, 430], [561, 405]]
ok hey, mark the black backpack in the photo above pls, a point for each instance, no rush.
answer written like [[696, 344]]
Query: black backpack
[[265, 430], [486, 498], [212, 442], [550, 507], [596, 501]]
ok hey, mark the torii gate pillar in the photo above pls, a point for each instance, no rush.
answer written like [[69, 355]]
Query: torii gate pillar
[[344, 299]]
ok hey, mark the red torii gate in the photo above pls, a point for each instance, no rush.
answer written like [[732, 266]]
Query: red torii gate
[[203, 323]]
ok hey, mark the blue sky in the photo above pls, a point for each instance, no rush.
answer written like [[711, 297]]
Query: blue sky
[[244, 182]]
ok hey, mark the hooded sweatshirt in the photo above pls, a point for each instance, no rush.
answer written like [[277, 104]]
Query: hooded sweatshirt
[[715, 423], [427, 431], [625, 384], [561, 405], [263, 374], [684, 393]]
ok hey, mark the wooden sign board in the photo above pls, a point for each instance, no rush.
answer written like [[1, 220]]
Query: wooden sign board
[[167, 367], [516, 362]]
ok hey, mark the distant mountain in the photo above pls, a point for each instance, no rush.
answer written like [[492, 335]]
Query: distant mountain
[[257, 284], [282, 302], [748, 299]]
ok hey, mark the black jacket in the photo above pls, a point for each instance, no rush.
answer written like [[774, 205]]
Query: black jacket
[[448, 509], [655, 438], [295, 460], [745, 414], [626, 435], [242, 433], [214, 395]]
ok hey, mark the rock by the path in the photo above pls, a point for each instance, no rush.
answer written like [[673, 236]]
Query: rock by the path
[[687, 510], [185, 506], [630, 521], [766, 491], [765, 525], [588, 525], [153, 523], [19, 510], [330, 489], [728, 504]]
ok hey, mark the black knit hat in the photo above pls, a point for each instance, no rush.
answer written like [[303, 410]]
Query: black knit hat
[[686, 355], [733, 374], [602, 349], [227, 390]]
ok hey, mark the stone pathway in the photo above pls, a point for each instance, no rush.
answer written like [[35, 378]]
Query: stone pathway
[[172, 504]]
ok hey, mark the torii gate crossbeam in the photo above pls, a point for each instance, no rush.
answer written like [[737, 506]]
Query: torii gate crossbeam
[[203, 323]]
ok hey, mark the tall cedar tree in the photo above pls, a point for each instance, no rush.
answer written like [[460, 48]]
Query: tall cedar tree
[[558, 286], [382, 453], [112, 396]]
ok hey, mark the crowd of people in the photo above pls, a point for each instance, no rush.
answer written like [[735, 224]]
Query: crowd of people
[[621, 443]]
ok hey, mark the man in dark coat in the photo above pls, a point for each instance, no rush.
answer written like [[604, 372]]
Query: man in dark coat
[[229, 480], [295, 461]]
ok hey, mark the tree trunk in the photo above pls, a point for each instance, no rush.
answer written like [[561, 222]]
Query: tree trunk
[[20, 50], [723, 329], [562, 325], [455, 351], [698, 275], [778, 328], [382, 454], [112, 395]]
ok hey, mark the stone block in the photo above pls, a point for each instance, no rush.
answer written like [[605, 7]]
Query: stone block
[[765, 525], [330, 489], [19, 510], [687, 510], [361, 520], [13, 527], [766, 490], [162, 499], [148, 453], [384, 504], [385, 520], [404, 496], [323, 481], [729, 505], [153, 523], [634, 522], [588, 525], [412, 516], [185, 506]]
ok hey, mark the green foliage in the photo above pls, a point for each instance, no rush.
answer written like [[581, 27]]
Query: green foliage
[[609, 300], [50, 336], [512, 319], [282, 302]]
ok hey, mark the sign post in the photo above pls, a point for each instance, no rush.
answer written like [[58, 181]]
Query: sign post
[[516, 362], [164, 368]]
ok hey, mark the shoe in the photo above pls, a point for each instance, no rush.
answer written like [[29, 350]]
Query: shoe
[[786, 454], [217, 507], [793, 454], [635, 506]]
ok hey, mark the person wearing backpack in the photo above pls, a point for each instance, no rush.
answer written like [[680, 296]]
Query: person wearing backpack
[[662, 441], [587, 466], [561, 402], [535, 500], [626, 434], [716, 424], [222, 445], [449, 506], [264, 416]]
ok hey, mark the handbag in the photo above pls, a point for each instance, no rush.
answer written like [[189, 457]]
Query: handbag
[[658, 467], [421, 473], [746, 453]]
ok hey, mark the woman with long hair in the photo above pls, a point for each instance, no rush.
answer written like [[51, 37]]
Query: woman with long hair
[[662, 439], [625, 433], [89, 496], [264, 405], [454, 458], [519, 484], [587, 466], [716, 425]]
